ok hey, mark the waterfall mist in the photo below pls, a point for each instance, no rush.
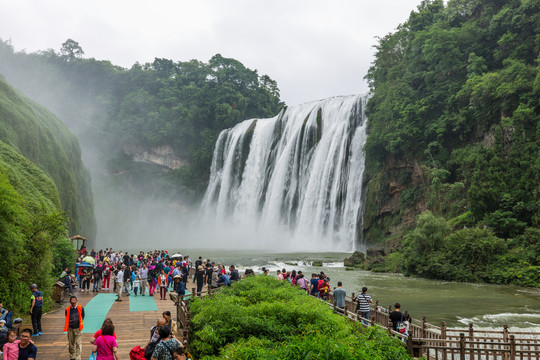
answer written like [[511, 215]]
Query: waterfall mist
[[292, 182]]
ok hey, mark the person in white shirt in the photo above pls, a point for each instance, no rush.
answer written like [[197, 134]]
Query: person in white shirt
[[119, 283]]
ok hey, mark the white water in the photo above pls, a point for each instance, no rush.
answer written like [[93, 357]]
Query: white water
[[292, 181]]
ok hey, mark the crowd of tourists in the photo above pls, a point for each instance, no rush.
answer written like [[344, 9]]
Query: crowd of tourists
[[156, 272]]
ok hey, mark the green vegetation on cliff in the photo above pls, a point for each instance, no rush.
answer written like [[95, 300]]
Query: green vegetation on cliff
[[33, 231], [263, 318], [41, 138], [455, 129]]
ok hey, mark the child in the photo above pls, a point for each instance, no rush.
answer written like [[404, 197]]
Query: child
[[136, 285], [11, 348], [3, 327]]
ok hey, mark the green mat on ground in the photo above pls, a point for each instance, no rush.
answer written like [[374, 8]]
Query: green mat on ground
[[96, 311], [142, 303]]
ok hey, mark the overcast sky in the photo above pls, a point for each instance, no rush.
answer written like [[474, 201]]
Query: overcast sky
[[314, 49]]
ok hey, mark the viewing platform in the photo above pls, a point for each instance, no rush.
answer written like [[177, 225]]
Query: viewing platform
[[133, 318]]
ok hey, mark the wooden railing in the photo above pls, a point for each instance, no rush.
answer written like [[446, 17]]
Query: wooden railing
[[440, 342]]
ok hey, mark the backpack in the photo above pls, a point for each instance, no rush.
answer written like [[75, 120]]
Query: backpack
[[401, 327]]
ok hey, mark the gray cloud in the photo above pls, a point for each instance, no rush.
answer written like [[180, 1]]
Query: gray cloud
[[314, 49]]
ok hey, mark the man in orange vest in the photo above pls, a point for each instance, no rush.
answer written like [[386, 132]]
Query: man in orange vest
[[73, 326]]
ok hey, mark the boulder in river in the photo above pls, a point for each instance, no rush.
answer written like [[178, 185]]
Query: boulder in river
[[355, 260]]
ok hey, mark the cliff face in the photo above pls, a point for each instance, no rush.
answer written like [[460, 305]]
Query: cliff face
[[159, 155], [394, 198], [40, 137]]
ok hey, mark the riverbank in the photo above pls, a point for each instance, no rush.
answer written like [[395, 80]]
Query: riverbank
[[487, 305]]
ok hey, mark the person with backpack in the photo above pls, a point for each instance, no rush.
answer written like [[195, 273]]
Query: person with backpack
[[167, 346], [398, 319], [36, 309], [362, 305]]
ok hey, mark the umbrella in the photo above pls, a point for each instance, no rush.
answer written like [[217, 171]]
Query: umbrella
[[89, 259], [176, 256]]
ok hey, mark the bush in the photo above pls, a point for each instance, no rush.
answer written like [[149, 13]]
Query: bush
[[263, 318]]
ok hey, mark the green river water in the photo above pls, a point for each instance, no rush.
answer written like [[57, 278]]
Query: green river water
[[487, 306]]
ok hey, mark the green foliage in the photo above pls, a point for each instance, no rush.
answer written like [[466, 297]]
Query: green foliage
[[32, 228], [181, 104], [40, 137], [432, 250], [262, 318], [456, 90]]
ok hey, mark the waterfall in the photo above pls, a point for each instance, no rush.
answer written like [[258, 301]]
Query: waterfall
[[292, 182]]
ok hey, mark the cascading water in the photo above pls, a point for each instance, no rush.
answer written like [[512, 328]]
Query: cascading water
[[292, 182]]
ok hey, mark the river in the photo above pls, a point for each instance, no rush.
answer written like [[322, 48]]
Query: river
[[487, 306]]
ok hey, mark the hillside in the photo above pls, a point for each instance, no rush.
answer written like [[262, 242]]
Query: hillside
[[453, 149], [35, 133], [33, 231]]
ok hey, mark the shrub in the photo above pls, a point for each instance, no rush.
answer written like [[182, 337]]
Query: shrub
[[263, 318]]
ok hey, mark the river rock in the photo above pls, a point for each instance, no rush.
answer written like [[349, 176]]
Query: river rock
[[355, 260]]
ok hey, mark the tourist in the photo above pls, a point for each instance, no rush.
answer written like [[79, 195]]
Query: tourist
[[324, 289], [396, 316], [407, 322], [166, 346], [119, 283], [199, 277], [6, 315], [163, 283], [179, 286], [209, 274], [224, 280], [143, 275], [152, 281], [66, 279], [106, 276], [73, 326], [279, 275], [97, 274], [27, 350], [127, 278], [136, 284], [154, 338], [10, 348], [3, 328], [105, 345], [294, 277], [36, 309], [182, 354], [314, 285], [234, 273], [302, 282], [106, 322], [362, 305], [339, 297], [171, 324]]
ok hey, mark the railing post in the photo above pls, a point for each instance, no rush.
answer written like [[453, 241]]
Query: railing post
[[505, 340], [461, 346], [410, 349], [424, 327], [512, 347], [471, 332], [443, 337]]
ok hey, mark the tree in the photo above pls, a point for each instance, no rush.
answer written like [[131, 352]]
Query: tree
[[71, 50]]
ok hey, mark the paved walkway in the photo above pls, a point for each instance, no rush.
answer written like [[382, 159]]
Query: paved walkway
[[132, 327]]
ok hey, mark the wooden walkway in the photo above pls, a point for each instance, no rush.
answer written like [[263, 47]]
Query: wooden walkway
[[132, 328]]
